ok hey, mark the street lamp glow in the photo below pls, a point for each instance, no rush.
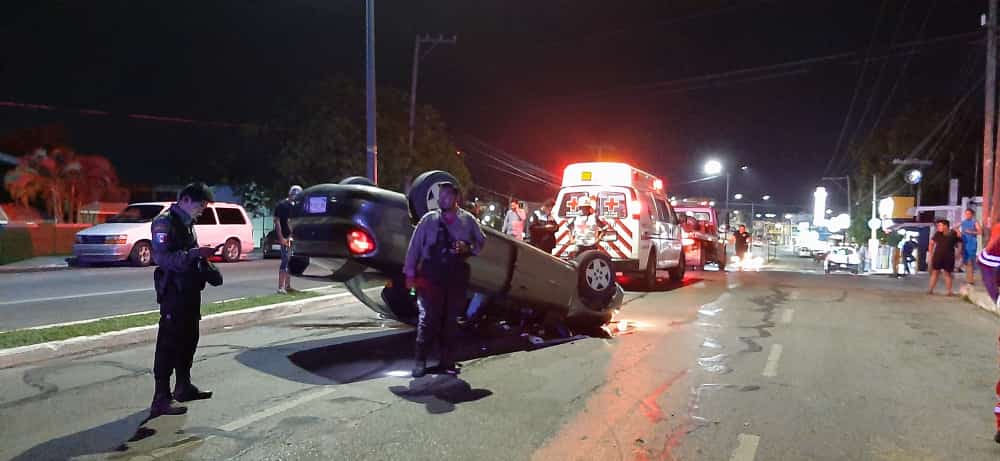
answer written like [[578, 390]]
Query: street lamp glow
[[829, 211], [766, 197], [744, 167], [819, 204], [738, 197], [713, 167], [789, 216]]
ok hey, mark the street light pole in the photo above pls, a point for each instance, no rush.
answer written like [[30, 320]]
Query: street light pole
[[372, 144], [727, 201]]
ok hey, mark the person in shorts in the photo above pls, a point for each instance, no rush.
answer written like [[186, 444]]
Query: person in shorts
[[942, 255], [284, 234], [970, 230]]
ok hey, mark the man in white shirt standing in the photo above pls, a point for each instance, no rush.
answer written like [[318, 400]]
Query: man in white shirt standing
[[513, 223]]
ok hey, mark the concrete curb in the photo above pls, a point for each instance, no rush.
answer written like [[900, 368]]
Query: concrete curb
[[21, 270], [45, 351], [979, 297]]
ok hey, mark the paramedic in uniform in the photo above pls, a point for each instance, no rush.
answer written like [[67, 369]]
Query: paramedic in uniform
[[179, 284], [587, 223], [436, 266]]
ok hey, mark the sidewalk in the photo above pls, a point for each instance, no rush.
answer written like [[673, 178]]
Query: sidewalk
[[39, 264], [55, 263]]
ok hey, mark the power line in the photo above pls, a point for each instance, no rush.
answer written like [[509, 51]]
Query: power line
[[857, 89]]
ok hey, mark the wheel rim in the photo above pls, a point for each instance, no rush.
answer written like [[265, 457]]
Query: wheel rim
[[232, 252], [598, 275], [145, 254]]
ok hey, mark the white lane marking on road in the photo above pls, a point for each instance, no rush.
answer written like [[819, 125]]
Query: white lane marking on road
[[81, 295], [786, 316], [282, 407], [747, 448], [771, 368]]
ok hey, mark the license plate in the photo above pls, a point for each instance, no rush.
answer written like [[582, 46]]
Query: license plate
[[276, 247], [316, 205]]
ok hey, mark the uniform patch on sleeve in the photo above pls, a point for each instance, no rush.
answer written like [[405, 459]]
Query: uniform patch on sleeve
[[160, 237]]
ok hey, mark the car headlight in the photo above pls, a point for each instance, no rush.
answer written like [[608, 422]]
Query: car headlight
[[79, 238], [116, 239]]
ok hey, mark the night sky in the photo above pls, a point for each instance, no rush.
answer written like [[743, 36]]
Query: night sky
[[544, 80]]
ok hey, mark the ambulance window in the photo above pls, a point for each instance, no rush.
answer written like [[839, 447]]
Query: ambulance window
[[666, 214], [567, 208], [654, 214], [612, 205]]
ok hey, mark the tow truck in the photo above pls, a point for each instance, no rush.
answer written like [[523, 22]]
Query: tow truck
[[702, 241]]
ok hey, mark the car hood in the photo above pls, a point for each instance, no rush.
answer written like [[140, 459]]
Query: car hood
[[115, 228]]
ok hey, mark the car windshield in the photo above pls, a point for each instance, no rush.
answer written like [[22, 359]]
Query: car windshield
[[137, 214], [699, 215]]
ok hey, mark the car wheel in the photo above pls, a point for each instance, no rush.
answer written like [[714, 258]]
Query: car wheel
[[141, 255], [423, 194], [596, 277], [650, 274], [677, 273], [357, 180], [232, 251]]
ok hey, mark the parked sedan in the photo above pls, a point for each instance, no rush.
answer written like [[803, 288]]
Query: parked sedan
[[842, 259], [357, 233]]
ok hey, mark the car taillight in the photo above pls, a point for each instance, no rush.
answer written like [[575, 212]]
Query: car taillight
[[360, 243]]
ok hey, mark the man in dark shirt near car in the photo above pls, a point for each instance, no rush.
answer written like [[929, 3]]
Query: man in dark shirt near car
[[942, 252], [741, 240], [283, 232]]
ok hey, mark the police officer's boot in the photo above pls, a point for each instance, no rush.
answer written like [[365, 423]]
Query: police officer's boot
[[420, 364], [163, 401], [186, 392]]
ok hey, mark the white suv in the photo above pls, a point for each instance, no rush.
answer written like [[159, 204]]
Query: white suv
[[126, 236]]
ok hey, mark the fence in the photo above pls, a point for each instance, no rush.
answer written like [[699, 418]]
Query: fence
[[23, 241]]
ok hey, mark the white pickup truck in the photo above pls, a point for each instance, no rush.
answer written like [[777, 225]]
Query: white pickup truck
[[702, 242]]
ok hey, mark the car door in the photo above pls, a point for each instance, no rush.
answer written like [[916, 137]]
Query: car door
[[666, 224], [207, 228]]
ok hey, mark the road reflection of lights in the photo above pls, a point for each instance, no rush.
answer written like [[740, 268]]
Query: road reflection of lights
[[753, 263], [399, 374]]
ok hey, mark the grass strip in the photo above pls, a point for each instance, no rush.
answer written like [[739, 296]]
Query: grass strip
[[18, 338]]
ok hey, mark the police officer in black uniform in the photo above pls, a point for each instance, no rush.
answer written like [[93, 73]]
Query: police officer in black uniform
[[436, 266], [179, 280]]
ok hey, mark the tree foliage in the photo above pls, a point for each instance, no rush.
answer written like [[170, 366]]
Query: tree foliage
[[324, 139], [64, 181]]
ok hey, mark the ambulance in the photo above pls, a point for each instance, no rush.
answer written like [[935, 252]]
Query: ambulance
[[634, 205]]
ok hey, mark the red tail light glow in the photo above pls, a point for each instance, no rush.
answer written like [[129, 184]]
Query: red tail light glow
[[360, 243]]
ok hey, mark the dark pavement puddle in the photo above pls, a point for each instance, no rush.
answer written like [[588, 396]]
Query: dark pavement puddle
[[363, 357], [439, 394], [40, 378]]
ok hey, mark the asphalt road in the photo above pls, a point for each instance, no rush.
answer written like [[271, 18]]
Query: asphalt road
[[738, 366], [43, 298]]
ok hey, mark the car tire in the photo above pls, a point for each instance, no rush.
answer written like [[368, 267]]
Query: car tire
[[356, 180], [649, 275], [232, 251], [141, 255], [596, 278], [297, 264], [422, 196], [677, 273]]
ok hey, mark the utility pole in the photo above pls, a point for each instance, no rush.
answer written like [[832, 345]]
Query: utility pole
[[434, 41], [372, 145], [873, 242], [989, 130], [727, 201]]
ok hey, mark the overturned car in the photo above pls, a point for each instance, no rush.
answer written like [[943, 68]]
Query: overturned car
[[357, 233]]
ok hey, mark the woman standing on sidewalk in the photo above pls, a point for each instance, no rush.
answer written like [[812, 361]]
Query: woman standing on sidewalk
[[989, 265]]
